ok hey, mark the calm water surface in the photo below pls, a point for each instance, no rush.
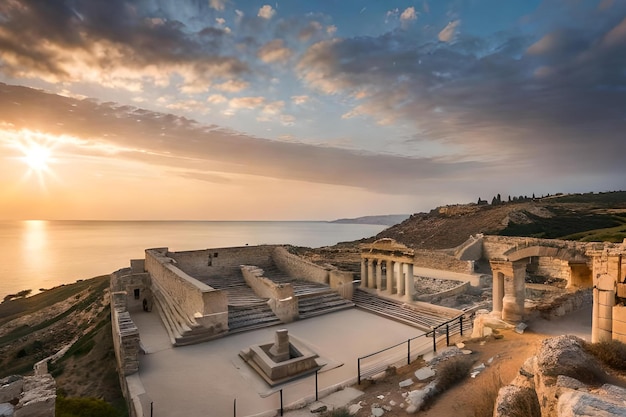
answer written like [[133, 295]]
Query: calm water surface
[[38, 254]]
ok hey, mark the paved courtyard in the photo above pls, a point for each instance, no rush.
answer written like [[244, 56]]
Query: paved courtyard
[[204, 380]]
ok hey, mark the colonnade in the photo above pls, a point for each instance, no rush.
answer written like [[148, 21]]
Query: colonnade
[[389, 276]]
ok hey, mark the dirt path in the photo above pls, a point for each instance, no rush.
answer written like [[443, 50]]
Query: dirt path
[[473, 397]]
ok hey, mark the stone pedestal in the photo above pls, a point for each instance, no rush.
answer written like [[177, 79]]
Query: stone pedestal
[[280, 349]]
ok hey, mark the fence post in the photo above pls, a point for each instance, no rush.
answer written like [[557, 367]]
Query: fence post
[[408, 352], [281, 402], [235, 407], [434, 341], [316, 391], [151, 408], [461, 324], [358, 368], [447, 335]]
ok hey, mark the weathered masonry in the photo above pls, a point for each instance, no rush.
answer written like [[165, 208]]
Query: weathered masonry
[[601, 266]]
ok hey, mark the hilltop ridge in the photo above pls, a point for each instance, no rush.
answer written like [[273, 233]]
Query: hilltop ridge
[[588, 217]]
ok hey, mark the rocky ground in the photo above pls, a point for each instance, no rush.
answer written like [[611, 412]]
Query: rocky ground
[[502, 354]]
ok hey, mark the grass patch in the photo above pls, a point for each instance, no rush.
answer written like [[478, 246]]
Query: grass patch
[[85, 407]]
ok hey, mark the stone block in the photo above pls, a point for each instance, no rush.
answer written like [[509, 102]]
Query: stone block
[[11, 388]]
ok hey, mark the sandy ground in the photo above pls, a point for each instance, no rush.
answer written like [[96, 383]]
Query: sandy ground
[[469, 398]]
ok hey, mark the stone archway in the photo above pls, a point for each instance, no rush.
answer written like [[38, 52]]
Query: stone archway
[[509, 275]]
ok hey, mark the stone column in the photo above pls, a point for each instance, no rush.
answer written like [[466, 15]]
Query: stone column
[[379, 275], [390, 276], [498, 293], [400, 278], [363, 273], [409, 284], [514, 293], [371, 278], [595, 316]]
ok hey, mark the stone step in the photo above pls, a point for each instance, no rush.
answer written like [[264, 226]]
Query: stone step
[[326, 302], [180, 329], [248, 318], [421, 317]]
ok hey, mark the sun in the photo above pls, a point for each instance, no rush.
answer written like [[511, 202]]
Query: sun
[[37, 157]]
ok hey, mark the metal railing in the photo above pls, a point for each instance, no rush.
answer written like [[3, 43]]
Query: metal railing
[[402, 353]]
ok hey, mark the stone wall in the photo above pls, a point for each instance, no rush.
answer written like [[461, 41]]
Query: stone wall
[[222, 261], [342, 282], [298, 268], [442, 261], [198, 301], [136, 287], [471, 249], [459, 289], [550, 267], [281, 296], [126, 341]]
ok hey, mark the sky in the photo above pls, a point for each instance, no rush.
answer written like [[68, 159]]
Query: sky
[[304, 110]]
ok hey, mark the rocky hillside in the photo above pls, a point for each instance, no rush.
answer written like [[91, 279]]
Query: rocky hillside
[[592, 217], [75, 316]]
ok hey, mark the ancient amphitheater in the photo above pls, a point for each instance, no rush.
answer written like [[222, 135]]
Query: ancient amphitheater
[[187, 324]]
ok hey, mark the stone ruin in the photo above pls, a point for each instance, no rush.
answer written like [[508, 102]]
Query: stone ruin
[[28, 396], [282, 361]]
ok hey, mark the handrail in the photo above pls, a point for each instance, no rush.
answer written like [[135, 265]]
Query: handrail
[[450, 326]]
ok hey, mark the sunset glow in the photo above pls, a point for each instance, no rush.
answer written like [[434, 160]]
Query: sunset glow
[[228, 110], [37, 157]]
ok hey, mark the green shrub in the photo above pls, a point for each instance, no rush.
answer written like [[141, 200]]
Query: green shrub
[[84, 407]]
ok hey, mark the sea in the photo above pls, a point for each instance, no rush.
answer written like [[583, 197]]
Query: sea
[[41, 254]]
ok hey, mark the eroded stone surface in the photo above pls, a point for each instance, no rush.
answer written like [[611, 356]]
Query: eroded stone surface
[[577, 403]]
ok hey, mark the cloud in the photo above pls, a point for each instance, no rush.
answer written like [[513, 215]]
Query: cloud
[[112, 45], [409, 14], [310, 30], [216, 99], [447, 34], [509, 97], [246, 102], [217, 4], [179, 143], [298, 100], [188, 106], [232, 86], [266, 12], [274, 51]]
